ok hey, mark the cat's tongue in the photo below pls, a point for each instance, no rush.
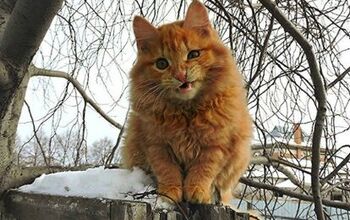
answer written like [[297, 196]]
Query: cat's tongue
[[185, 87]]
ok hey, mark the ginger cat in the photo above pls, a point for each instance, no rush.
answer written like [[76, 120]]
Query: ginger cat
[[189, 123]]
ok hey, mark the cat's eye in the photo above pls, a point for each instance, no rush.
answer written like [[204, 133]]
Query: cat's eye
[[162, 63], [193, 54]]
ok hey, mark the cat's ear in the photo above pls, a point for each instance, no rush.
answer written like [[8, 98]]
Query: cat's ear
[[144, 32], [197, 16]]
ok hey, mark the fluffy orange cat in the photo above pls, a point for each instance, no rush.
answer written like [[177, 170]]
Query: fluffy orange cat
[[189, 123]]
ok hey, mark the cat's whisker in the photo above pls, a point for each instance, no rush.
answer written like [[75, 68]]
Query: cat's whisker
[[159, 97], [146, 96], [142, 100], [145, 84], [139, 100], [169, 85]]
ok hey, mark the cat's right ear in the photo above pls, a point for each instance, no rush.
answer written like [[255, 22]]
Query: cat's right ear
[[197, 16], [145, 33]]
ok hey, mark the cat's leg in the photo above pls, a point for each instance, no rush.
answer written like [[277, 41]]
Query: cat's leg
[[133, 155], [235, 167], [201, 174], [167, 172], [133, 151]]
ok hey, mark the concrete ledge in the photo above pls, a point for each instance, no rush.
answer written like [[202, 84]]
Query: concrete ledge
[[19, 205]]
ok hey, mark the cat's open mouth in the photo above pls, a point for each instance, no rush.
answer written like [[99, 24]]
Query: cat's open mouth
[[185, 87]]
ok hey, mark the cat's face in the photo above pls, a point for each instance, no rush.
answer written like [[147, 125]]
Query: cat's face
[[177, 60]]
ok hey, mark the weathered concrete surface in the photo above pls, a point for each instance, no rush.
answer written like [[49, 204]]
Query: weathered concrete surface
[[19, 205], [202, 212]]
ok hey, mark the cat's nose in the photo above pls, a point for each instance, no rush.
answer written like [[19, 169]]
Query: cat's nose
[[181, 76]]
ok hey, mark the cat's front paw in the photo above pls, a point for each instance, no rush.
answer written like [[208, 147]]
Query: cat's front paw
[[197, 194], [172, 193]]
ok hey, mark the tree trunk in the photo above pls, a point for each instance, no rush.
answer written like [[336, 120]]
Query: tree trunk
[[8, 127], [24, 25]]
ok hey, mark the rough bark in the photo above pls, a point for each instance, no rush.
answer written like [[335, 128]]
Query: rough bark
[[8, 127], [24, 27]]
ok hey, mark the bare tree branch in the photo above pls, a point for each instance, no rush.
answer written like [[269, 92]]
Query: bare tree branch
[[278, 166], [36, 135], [339, 78], [262, 54], [331, 187], [342, 205], [320, 95], [337, 169], [117, 144], [27, 36], [59, 74]]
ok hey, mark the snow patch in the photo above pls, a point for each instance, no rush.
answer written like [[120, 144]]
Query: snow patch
[[99, 183]]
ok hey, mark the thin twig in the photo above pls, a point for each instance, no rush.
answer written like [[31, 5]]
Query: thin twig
[[259, 185], [262, 160], [36, 134], [262, 55], [59, 74], [320, 96], [336, 170], [339, 78], [120, 135]]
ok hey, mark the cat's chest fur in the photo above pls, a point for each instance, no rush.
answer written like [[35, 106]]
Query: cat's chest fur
[[186, 135]]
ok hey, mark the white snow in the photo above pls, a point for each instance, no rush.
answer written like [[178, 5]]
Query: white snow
[[98, 183], [286, 184]]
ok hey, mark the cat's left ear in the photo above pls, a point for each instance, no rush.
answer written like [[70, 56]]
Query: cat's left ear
[[145, 33], [197, 16]]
